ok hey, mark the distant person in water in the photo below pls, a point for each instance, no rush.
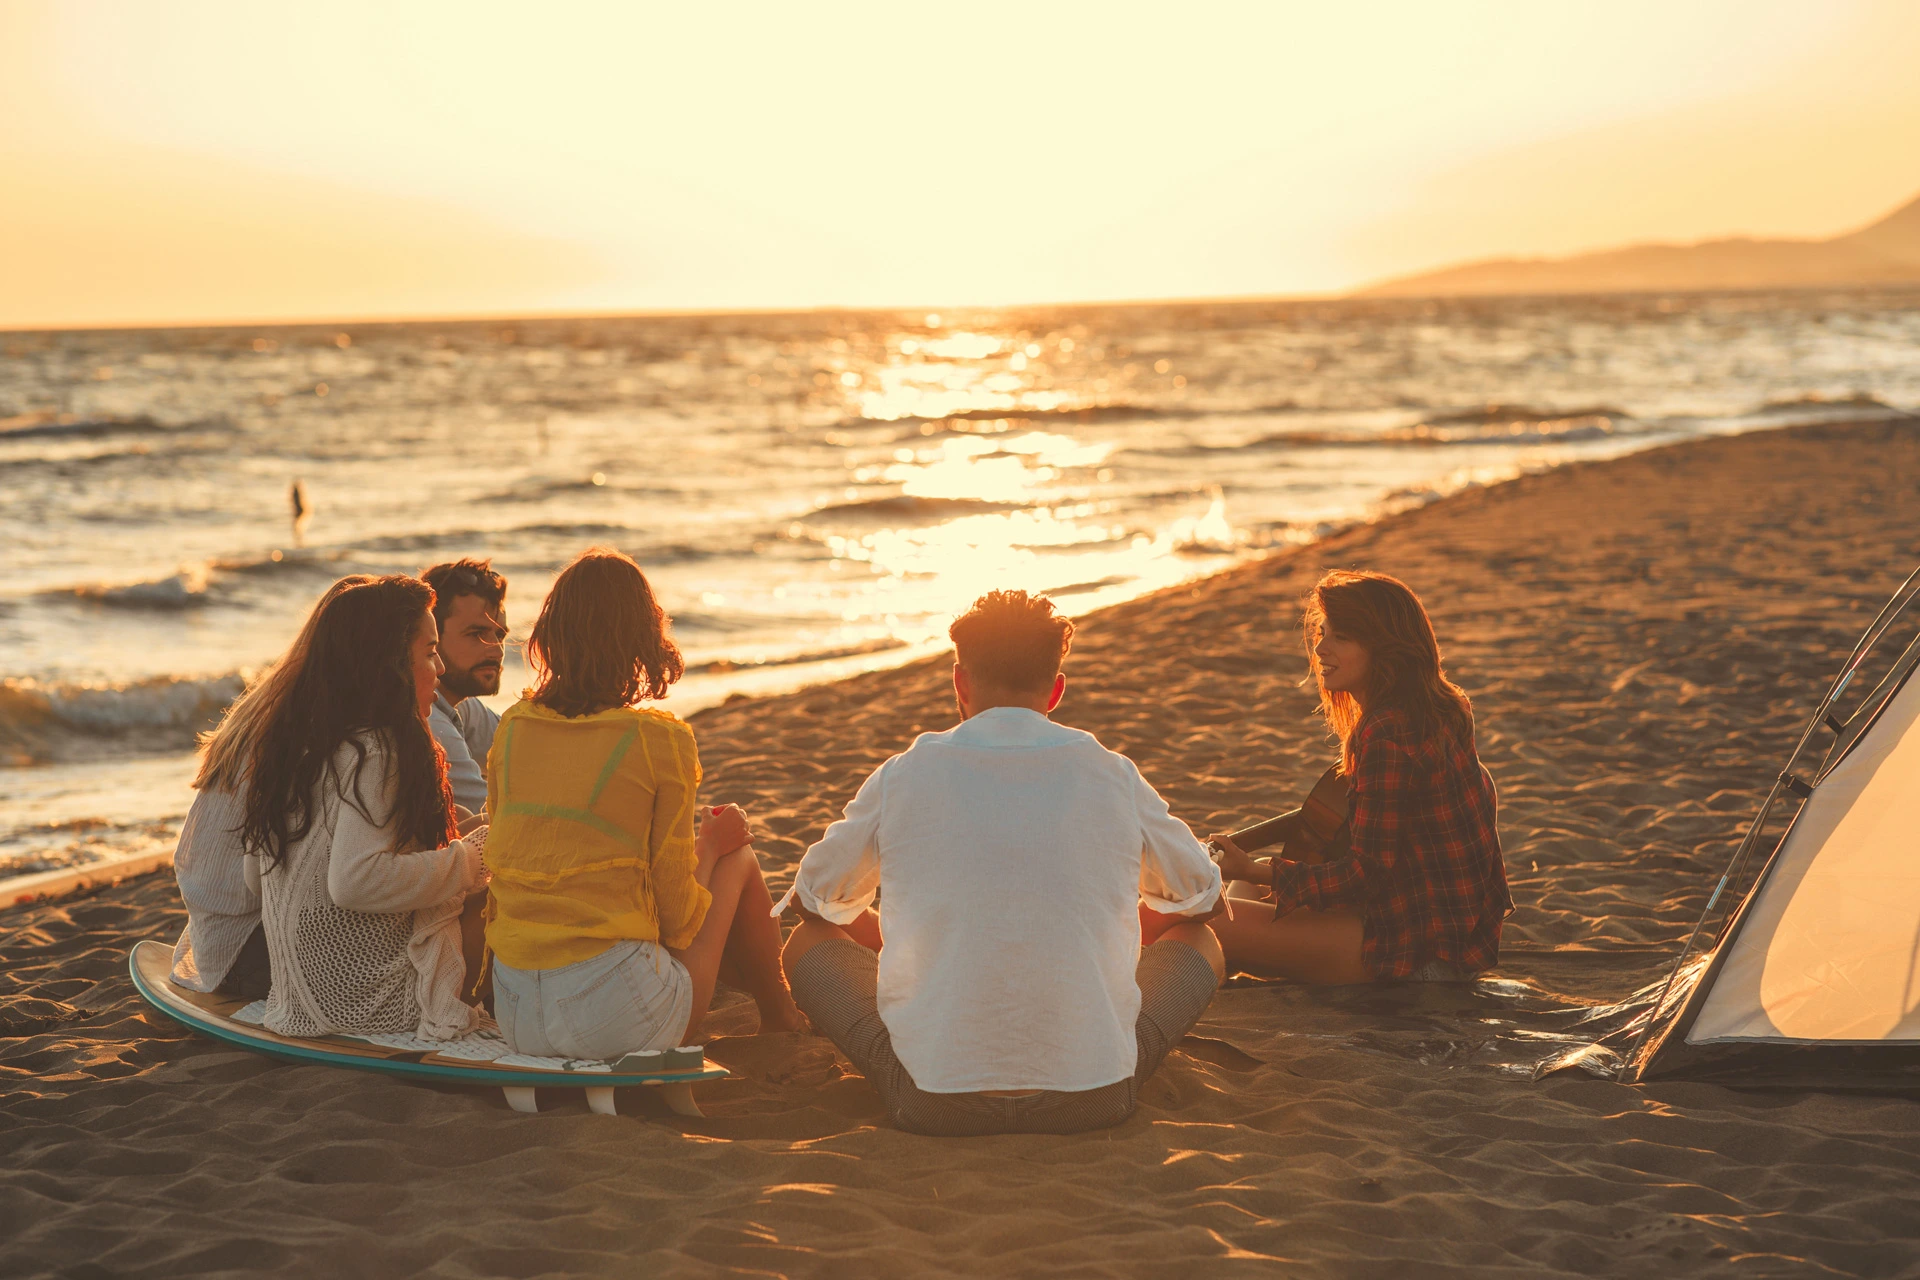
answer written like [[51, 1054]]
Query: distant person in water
[[349, 825], [222, 948], [1011, 994], [1419, 890], [302, 510], [611, 918], [470, 608]]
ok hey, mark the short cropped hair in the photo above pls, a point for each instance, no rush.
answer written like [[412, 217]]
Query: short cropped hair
[[458, 578], [1012, 640]]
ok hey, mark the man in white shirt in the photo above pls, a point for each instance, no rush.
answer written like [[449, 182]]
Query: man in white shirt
[[1012, 993], [470, 606]]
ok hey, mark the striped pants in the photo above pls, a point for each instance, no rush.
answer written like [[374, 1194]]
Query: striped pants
[[834, 984]]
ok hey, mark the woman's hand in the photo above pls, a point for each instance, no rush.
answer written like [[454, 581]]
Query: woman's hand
[[1235, 863], [479, 874], [724, 831]]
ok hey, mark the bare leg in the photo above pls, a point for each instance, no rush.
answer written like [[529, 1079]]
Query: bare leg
[[739, 929], [1319, 947], [864, 929], [752, 955], [473, 947]]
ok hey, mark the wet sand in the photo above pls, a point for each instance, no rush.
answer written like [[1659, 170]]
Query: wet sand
[[1642, 638]]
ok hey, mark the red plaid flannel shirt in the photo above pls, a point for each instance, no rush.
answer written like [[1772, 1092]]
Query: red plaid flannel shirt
[[1424, 866]]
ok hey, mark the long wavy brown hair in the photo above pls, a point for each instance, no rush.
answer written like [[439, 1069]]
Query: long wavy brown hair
[[226, 749], [354, 678], [601, 640], [1383, 616]]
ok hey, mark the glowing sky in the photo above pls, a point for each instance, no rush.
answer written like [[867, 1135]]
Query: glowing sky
[[184, 161]]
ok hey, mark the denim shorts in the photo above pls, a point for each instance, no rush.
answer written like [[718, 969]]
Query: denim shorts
[[631, 997]]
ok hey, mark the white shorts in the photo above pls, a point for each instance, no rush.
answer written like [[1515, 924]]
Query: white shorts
[[631, 997]]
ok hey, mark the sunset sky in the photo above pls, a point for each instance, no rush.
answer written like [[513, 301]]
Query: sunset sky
[[200, 161]]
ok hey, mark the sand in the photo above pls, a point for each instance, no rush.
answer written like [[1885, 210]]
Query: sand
[[1642, 638]]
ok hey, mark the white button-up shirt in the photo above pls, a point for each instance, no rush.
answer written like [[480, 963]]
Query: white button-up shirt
[[1011, 854]]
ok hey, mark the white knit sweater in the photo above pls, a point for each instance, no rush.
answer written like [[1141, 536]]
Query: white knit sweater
[[339, 911], [223, 904]]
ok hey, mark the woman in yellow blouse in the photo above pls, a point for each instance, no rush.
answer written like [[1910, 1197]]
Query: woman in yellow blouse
[[610, 919]]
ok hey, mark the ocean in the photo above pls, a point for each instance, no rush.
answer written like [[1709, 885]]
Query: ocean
[[812, 494]]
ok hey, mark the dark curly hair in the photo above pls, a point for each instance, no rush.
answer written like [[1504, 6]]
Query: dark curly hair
[[354, 678], [455, 578], [1012, 641], [601, 639]]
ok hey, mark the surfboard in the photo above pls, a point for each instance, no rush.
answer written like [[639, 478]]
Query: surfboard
[[481, 1059]]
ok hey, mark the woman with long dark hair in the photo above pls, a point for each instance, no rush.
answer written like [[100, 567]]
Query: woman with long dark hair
[[1419, 890], [610, 919], [349, 819], [223, 948]]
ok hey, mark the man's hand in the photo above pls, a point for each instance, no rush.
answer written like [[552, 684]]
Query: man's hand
[[1158, 920]]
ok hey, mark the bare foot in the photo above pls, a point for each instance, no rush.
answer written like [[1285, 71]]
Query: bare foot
[[786, 1018]]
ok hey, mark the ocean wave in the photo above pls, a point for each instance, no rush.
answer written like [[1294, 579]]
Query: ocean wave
[[729, 623], [1585, 424], [38, 426], [1084, 588], [170, 458], [536, 489], [914, 427], [906, 507], [465, 540], [276, 563], [1445, 430], [186, 589], [724, 666], [197, 585], [1825, 406], [42, 722], [1506, 414], [468, 541]]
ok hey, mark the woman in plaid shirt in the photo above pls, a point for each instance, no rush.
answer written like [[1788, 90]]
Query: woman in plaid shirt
[[1421, 890]]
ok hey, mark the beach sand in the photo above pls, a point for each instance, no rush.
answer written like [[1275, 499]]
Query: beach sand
[[1642, 638]]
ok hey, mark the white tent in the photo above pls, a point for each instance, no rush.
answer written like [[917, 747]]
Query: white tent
[[1819, 963]]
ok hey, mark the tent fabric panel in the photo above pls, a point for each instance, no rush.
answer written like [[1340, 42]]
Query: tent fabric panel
[[1830, 950]]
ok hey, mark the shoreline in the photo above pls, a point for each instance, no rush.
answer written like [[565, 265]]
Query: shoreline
[[1642, 637], [50, 738]]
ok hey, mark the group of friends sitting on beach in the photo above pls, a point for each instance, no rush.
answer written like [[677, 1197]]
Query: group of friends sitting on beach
[[373, 850]]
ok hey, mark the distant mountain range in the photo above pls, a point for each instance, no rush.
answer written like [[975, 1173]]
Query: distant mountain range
[[1887, 252]]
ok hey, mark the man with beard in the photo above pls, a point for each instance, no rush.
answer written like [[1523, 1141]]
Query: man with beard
[[470, 608]]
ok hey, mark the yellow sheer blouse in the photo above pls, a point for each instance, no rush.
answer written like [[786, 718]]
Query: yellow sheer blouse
[[591, 839]]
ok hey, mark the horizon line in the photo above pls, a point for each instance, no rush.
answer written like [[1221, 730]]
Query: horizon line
[[1357, 294], [635, 313]]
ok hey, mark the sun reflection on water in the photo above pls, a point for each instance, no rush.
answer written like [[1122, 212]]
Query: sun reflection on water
[[964, 346], [1060, 527], [965, 372]]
